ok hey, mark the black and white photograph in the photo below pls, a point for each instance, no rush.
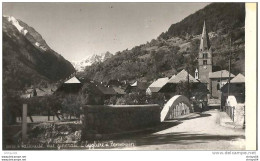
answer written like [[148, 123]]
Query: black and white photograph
[[127, 76]]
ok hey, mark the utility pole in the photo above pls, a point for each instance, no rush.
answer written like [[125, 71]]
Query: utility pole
[[188, 79], [229, 68], [24, 124]]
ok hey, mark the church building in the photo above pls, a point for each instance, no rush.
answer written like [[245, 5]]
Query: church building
[[214, 80]]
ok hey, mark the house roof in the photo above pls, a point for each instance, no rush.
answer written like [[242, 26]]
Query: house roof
[[29, 90], [119, 90], [106, 90], [220, 74], [139, 85], [182, 77], [26, 96], [114, 82], [173, 76], [42, 92], [72, 80], [158, 84], [238, 79], [134, 84], [39, 92], [154, 89]]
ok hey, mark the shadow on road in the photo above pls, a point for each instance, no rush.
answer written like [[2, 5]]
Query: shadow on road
[[149, 131], [195, 117], [183, 138], [162, 126]]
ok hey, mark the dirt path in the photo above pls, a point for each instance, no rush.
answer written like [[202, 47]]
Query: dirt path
[[196, 132]]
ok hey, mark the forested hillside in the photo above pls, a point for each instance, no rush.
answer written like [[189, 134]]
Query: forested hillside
[[177, 48]]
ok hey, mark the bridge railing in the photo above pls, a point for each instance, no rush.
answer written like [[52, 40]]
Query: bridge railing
[[230, 110]]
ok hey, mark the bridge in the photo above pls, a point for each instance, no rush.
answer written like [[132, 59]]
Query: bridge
[[176, 106]]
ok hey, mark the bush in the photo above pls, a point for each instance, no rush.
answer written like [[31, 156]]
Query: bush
[[137, 98], [111, 101]]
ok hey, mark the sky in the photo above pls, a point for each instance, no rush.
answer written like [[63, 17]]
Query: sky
[[78, 30]]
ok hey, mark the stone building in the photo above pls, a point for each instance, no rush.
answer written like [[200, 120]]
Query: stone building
[[214, 80]]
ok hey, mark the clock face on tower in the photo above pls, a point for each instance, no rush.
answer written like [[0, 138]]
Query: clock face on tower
[[205, 67]]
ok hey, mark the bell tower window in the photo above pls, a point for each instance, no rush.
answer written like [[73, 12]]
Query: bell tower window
[[205, 55], [204, 62]]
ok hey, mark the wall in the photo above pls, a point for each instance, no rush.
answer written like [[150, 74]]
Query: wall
[[101, 119], [176, 106], [239, 113], [214, 82]]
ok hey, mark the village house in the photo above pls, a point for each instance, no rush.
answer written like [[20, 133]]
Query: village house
[[106, 92], [196, 88], [181, 77], [114, 83], [156, 85], [137, 86], [217, 81], [72, 86], [236, 88], [119, 91], [38, 92], [117, 86]]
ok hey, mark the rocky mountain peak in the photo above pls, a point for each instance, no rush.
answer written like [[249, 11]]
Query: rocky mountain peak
[[95, 58]]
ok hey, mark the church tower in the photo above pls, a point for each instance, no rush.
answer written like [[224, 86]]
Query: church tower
[[205, 57]]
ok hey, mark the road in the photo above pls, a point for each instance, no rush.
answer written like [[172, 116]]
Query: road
[[196, 132]]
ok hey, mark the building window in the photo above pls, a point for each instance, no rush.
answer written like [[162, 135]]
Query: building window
[[204, 62], [205, 55], [218, 86]]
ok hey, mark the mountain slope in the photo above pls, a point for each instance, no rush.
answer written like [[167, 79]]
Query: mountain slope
[[27, 59], [178, 47], [219, 16]]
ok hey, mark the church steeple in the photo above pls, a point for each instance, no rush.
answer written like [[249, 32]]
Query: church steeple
[[205, 57], [204, 42]]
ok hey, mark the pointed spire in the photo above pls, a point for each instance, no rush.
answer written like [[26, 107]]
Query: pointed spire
[[204, 42]]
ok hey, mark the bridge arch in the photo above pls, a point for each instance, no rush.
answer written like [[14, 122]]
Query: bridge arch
[[178, 105]]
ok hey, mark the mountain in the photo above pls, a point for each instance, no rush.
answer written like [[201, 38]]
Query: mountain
[[219, 17], [27, 59], [178, 47], [96, 58]]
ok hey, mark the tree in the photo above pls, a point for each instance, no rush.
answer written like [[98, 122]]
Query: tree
[[71, 105]]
